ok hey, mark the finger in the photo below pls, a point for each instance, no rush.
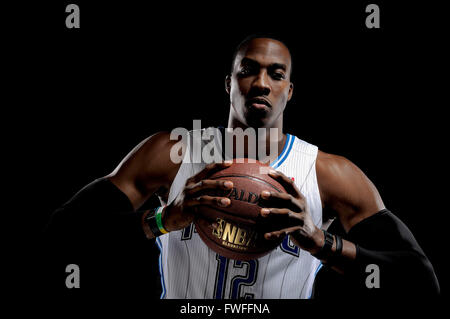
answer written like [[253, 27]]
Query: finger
[[287, 183], [207, 200], [280, 233], [276, 196], [192, 189], [265, 212], [280, 200], [208, 170], [282, 217]]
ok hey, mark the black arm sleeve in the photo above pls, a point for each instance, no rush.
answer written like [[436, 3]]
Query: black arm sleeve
[[382, 240], [99, 231], [99, 212]]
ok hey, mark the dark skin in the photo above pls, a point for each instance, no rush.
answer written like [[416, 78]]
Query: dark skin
[[259, 88]]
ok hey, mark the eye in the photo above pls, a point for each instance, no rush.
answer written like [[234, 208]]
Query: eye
[[248, 69], [278, 76], [245, 70]]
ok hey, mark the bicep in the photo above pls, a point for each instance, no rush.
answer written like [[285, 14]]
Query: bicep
[[347, 190], [146, 169]]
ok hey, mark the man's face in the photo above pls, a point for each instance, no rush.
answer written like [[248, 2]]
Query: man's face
[[260, 86]]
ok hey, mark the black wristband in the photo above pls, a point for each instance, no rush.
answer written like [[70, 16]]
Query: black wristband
[[339, 245], [326, 248], [150, 219]]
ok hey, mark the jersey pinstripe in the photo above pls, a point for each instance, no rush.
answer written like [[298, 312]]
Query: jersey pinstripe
[[190, 269]]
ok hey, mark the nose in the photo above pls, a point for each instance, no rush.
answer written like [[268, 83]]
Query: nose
[[261, 82]]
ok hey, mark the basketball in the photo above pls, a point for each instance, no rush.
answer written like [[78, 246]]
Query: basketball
[[240, 228]]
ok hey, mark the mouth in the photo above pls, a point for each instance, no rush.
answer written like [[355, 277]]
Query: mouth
[[258, 103]]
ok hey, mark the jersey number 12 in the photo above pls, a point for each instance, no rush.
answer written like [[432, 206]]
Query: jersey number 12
[[236, 283]]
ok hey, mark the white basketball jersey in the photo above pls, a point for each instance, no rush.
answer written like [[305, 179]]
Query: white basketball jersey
[[190, 269]]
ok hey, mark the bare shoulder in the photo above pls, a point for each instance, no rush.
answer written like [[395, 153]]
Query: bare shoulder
[[346, 189], [338, 169], [331, 164], [154, 150], [333, 172]]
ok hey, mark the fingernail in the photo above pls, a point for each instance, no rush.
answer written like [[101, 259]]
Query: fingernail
[[265, 194], [224, 201], [228, 184]]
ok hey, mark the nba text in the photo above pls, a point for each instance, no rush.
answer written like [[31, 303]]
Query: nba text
[[234, 236]]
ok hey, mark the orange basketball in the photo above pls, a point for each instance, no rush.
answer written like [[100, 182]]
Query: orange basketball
[[241, 229]]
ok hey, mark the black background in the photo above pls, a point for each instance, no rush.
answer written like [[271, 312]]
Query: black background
[[80, 99]]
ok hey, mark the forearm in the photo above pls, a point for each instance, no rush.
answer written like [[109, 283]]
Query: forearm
[[385, 242], [99, 211], [354, 258], [347, 257], [99, 231]]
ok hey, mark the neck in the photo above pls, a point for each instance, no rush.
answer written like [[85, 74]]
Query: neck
[[264, 138]]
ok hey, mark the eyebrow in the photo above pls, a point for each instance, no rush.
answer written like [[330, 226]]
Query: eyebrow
[[272, 65]]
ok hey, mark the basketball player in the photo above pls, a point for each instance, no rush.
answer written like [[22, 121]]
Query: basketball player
[[363, 233]]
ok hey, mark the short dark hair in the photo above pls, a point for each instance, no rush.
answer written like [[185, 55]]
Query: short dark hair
[[246, 41]]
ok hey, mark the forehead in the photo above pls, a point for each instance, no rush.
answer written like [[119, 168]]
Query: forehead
[[265, 51]]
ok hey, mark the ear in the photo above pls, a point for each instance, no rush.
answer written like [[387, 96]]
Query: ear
[[228, 84], [291, 91]]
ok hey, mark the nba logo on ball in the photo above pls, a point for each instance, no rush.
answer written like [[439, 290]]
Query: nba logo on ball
[[234, 236], [239, 228]]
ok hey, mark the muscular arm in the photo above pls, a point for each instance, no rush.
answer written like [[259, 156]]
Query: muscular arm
[[346, 190], [147, 169], [100, 229], [112, 199], [371, 236]]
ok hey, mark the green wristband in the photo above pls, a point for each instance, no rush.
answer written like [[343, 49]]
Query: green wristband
[[159, 223]]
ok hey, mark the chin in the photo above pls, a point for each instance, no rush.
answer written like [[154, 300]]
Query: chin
[[256, 118], [256, 122]]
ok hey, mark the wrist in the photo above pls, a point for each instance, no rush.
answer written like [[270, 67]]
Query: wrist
[[319, 241], [155, 223], [326, 249], [164, 220]]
